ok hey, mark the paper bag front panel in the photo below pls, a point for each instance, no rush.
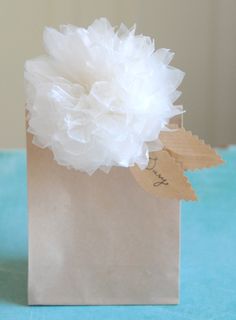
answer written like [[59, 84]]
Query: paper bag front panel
[[98, 240]]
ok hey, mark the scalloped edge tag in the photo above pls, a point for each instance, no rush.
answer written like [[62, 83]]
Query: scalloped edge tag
[[190, 151], [164, 177]]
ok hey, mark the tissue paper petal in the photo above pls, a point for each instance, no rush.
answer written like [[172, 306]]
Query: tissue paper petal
[[100, 96]]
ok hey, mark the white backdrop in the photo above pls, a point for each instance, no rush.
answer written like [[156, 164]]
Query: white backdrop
[[202, 34]]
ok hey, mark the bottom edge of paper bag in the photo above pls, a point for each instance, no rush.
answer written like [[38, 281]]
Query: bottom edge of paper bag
[[168, 301]]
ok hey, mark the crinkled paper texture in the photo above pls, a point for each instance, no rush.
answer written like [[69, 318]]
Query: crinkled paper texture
[[100, 96]]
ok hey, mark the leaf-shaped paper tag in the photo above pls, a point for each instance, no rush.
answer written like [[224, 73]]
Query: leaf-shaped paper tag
[[164, 177], [189, 150]]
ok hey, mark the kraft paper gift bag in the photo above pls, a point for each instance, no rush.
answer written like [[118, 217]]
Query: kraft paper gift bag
[[102, 98], [98, 240]]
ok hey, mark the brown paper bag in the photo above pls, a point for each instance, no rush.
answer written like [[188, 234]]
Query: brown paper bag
[[99, 240]]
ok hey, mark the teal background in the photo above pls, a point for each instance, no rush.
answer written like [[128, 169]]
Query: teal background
[[208, 246]]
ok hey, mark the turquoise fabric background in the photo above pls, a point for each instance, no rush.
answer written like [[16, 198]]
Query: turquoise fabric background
[[208, 245]]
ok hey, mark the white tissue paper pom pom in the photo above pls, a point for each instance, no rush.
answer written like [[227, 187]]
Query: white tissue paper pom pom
[[101, 96]]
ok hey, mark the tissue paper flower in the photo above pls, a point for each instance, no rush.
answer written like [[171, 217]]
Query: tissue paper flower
[[100, 96]]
